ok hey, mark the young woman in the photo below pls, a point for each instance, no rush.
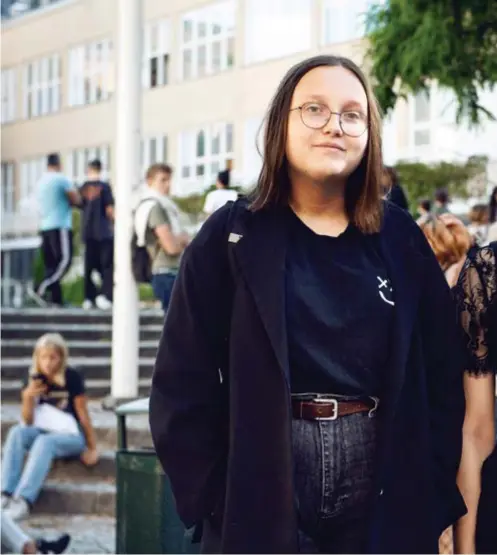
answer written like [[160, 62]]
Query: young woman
[[450, 241], [55, 424], [306, 394], [476, 296]]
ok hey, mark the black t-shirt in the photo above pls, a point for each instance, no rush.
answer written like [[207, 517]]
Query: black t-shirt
[[97, 196], [339, 310], [63, 397]]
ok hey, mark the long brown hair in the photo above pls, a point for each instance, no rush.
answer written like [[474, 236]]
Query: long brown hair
[[364, 187], [448, 238]]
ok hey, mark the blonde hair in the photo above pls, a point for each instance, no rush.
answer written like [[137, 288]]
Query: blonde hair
[[57, 342], [449, 239]]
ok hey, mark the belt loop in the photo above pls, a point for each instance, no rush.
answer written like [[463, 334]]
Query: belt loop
[[376, 402]]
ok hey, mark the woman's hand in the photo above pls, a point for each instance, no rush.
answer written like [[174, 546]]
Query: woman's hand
[[89, 457], [34, 389]]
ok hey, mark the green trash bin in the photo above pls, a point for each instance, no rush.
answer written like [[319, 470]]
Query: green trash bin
[[146, 517]]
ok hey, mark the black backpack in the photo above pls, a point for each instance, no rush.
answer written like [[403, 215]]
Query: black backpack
[[141, 264]]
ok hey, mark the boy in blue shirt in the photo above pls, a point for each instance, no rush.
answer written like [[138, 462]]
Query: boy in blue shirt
[[56, 195]]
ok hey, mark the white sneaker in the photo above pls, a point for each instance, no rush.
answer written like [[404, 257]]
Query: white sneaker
[[87, 304], [103, 303], [5, 501], [18, 509]]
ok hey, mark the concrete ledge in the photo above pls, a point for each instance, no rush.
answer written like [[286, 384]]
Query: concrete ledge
[[77, 498]]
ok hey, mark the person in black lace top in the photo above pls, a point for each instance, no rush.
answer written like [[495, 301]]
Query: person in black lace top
[[476, 298]]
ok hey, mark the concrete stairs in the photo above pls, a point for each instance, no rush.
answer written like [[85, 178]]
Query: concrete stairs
[[72, 488], [75, 498], [89, 335]]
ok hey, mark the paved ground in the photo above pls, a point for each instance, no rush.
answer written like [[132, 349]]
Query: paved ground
[[89, 534]]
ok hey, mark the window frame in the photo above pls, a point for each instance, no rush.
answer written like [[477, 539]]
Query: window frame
[[226, 11]]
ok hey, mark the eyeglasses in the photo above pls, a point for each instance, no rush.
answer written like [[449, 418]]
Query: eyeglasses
[[315, 116]]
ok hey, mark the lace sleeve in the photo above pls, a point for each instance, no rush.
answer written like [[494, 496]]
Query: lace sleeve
[[475, 291]]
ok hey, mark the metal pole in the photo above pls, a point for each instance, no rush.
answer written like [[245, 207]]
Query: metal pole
[[125, 313]]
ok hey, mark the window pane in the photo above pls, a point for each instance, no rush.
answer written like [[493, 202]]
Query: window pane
[[202, 29], [230, 62], [422, 106], [200, 144], [185, 171], [200, 170], [153, 151], [164, 149], [214, 169], [422, 138], [216, 143], [229, 137], [153, 72], [165, 69], [187, 30], [187, 64], [216, 56], [202, 60]]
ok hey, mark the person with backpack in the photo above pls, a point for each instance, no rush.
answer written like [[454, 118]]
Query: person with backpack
[[158, 230]]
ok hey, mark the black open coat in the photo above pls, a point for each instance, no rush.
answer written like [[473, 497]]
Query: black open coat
[[226, 444]]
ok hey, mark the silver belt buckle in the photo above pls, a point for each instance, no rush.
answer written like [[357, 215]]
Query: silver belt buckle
[[333, 403]]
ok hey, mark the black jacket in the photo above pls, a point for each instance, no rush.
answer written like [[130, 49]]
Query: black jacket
[[226, 445]]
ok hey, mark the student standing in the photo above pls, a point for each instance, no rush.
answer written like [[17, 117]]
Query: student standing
[[307, 395], [98, 236], [56, 195]]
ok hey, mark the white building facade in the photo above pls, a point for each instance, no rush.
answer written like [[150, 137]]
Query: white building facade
[[209, 69]]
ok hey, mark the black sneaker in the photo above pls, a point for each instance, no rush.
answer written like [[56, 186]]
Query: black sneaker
[[55, 546]]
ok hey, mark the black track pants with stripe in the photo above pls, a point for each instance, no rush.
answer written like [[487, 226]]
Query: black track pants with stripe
[[56, 248]]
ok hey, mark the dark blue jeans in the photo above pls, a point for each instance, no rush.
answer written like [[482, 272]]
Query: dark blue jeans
[[162, 285], [334, 468]]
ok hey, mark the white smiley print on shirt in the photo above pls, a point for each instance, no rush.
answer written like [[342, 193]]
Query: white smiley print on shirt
[[385, 290]]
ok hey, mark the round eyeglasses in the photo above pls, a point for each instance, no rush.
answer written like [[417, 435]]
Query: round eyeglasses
[[315, 116]]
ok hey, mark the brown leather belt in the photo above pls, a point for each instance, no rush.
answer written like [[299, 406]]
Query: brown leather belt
[[329, 409]]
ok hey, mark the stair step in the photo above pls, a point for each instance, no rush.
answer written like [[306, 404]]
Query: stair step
[[95, 388], [74, 469], [73, 331], [70, 497], [73, 315], [20, 348], [93, 368]]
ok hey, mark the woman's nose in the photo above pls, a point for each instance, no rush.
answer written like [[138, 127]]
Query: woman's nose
[[333, 126]]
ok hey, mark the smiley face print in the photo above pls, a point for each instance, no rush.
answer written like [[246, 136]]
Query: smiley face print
[[385, 290]]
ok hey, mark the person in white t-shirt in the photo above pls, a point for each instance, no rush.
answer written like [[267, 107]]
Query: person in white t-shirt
[[222, 194]]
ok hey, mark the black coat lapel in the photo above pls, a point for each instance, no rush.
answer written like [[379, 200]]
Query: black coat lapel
[[405, 275], [260, 254]]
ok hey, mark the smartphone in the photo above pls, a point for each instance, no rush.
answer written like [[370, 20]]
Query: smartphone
[[41, 377]]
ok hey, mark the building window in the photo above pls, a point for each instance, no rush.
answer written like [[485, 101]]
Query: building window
[[90, 73], [31, 172], [78, 159], [156, 54], [343, 20], [9, 91], [8, 188], [276, 28], [422, 118], [203, 153], [153, 150], [42, 83], [208, 40]]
